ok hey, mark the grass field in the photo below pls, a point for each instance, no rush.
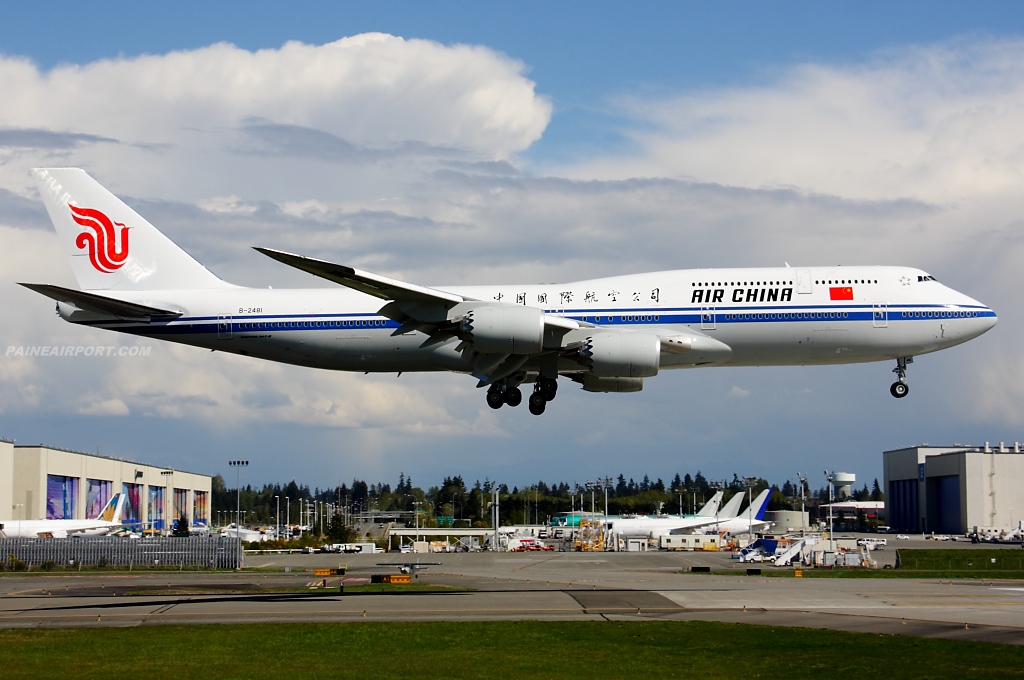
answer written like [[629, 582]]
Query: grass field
[[527, 649], [843, 572]]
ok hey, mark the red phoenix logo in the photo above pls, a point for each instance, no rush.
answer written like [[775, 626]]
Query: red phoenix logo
[[103, 251]]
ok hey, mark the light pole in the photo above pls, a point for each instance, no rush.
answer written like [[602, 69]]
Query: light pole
[[238, 465], [168, 484], [19, 506], [277, 519], [288, 515], [831, 539], [802, 478], [750, 483]]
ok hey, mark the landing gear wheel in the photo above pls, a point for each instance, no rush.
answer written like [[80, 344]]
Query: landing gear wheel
[[548, 387], [513, 397], [900, 388], [495, 399], [537, 403]]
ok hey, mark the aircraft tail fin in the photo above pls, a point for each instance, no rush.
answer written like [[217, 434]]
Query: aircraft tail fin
[[711, 507], [732, 508], [109, 245], [114, 509], [761, 504]]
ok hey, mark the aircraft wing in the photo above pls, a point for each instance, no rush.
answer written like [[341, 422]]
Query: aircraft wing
[[100, 304], [372, 284], [689, 526]]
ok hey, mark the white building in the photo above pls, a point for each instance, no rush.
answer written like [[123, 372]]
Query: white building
[[40, 482], [953, 489]]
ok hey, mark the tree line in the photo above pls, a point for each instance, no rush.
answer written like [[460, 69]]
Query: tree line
[[456, 502]]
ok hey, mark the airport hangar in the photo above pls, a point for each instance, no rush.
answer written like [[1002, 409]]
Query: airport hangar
[[954, 489], [41, 482]]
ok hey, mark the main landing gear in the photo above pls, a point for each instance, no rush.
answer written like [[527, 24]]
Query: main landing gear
[[501, 393], [544, 390], [900, 388]]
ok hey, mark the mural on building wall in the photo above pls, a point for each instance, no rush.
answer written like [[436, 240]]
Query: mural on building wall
[[132, 505], [61, 497], [156, 507], [97, 495], [180, 503], [200, 515]]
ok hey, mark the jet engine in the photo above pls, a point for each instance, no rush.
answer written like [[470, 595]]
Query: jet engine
[[622, 355], [504, 329]]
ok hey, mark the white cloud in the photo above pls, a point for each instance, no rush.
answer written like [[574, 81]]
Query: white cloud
[[907, 159], [108, 407], [936, 123], [376, 95]]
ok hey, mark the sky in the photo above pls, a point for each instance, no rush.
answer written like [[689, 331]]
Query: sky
[[459, 143]]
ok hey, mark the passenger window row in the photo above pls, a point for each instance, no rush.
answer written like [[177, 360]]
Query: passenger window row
[[938, 315], [313, 324], [788, 315]]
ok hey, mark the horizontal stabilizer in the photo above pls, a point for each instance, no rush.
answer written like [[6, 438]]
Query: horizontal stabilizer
[[98, 303], [378, 286]]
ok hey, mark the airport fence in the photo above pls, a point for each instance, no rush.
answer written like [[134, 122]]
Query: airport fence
[[196, 551]]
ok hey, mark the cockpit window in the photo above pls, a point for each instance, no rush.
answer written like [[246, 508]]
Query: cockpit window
[[925, 278]]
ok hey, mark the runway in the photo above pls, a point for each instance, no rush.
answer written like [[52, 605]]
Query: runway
[[503, 586]]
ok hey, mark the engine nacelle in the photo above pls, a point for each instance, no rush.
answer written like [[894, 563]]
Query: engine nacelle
[[622, 355], [592, 383], [505, 329]]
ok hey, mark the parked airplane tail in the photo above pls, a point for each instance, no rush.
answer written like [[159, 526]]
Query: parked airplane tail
[[761, 503], [110, 246], [732, 508], [114, 509], [711, 506]]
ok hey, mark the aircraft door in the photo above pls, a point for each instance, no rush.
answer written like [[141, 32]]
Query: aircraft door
[[880, 315], [803, 282], [707, 318], [224, 327]]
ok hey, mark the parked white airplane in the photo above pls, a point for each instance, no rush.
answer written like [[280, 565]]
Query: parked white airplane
[[751, 517], [108, 520], [606, 334], [652, 527]]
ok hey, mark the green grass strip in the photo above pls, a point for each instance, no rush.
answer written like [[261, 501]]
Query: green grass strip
[[522, 649]]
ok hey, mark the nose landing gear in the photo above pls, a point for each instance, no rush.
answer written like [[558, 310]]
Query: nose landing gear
[[900, 388]]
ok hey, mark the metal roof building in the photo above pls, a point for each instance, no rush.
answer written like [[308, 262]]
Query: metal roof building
[[42, 482], [954, 489]]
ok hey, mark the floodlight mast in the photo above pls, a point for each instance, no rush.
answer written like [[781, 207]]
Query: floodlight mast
[[238, 465], [830, 476]]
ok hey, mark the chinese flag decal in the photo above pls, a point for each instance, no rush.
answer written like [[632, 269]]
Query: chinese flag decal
[[845, 293]]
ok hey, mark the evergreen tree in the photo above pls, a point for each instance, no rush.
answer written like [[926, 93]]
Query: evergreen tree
[[620, 487], [181, 527], [677, 483]]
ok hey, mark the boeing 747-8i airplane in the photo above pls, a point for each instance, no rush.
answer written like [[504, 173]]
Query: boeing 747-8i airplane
[[606, 334]]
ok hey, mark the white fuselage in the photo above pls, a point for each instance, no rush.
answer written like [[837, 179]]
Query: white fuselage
[[56, 528], [780, 316]]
